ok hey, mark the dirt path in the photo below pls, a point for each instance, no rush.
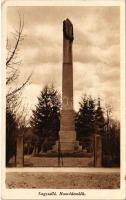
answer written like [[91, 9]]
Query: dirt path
[[62, 180]]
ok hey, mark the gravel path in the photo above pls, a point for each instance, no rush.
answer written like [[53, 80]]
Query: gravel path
[[62, 180]]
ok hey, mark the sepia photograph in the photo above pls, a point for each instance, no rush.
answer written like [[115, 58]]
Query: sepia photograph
[[63, 98]]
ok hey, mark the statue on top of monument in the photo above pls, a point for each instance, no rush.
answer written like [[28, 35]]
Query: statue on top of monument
[[68, 30]]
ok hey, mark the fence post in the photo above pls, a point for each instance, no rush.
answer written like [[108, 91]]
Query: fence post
[[20, 151], [97, 150]]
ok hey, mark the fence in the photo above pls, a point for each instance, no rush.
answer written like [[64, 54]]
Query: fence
[[90, 148]]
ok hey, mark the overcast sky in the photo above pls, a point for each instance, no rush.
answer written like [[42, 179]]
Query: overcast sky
[[96, 51]]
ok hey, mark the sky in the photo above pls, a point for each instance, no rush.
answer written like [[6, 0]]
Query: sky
[[96, 51]]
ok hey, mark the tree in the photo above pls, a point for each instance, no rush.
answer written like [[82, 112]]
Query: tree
[[90, 118], [85, 117], [12, 67], [13, 96], [111, 144], [30, 140], [45, 121], [11, 130]]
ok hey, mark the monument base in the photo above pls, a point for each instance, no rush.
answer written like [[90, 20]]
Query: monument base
[[67, 143], [69, 147]]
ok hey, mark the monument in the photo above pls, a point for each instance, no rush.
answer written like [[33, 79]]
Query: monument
[[67, 134]]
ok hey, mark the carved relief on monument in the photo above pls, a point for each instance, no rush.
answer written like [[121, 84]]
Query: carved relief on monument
[[68, 30]]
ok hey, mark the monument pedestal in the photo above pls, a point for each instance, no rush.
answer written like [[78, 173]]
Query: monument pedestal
[[67, 136], [67, 141], [67, 147]]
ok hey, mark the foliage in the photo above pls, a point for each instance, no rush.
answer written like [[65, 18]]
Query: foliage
[[45, 121], [11, 129], [111, 145], [13, 96], [30, 140], [89, 119]]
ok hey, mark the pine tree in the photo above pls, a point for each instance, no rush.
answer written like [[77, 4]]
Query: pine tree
[[45, 121], [90, 118], [84, 121]]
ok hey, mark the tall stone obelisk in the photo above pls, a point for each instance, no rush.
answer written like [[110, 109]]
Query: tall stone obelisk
[[67, 125]]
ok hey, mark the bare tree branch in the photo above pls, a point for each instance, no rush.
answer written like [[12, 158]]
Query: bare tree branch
[[12, 77], [12, 62], [19, 38], [19, 88]]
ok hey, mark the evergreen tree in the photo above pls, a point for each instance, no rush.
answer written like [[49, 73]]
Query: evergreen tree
[[90, 118], [45, 121], [84, 121]]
